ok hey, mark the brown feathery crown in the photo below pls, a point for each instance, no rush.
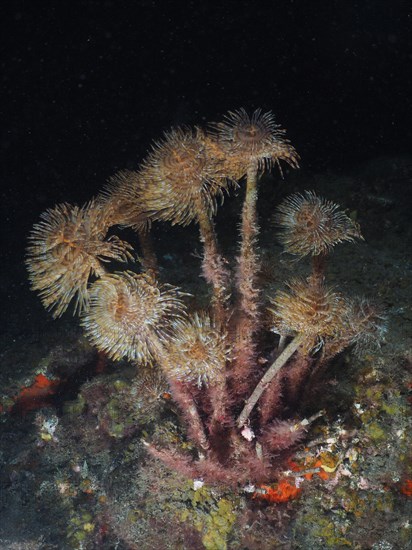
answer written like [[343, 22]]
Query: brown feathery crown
[[258, 138], [123, 199], [367, 323], [129, 313], [362, 323], [310, 309], [65, 249], [198, 352], [313, 225], [181, 177]]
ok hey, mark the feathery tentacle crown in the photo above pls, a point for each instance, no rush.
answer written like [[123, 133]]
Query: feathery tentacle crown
[[257, 138], [66, 248], [312, 225], [310, 309], [123, 198], [129, 313], [367, 324], [198, 352], [181, 176]]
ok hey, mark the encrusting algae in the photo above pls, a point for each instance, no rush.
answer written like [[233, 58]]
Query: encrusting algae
[[242, 429]]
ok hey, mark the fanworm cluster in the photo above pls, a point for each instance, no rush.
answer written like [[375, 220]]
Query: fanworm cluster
[[311, 225], [238, 417], [198, 352], [129, 312], [310, 309], [67, 247]]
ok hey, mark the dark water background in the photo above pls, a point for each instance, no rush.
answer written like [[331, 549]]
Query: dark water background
[[86, 86]]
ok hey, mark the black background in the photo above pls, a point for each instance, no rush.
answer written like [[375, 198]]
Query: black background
[[86, 86]]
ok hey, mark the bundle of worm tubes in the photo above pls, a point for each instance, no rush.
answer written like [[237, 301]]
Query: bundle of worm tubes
[[238, 402]]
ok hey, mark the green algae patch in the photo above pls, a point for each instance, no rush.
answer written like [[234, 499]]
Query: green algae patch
[[326, 530], [218, 526]]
